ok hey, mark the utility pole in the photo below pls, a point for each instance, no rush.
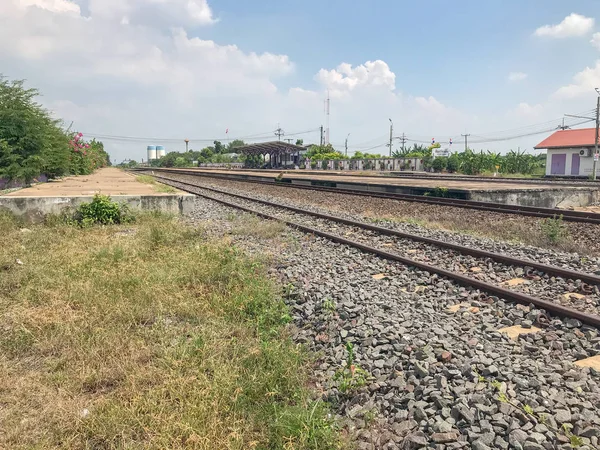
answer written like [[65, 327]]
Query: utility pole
[[596, 156], [321, 136], [466, 136], [279, 132], [289, 141], [391, 136], [403, 140], [597, 119], [346, 144]]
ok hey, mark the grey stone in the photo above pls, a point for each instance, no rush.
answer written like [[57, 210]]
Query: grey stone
[[530, 445], [479, 445], [421, 370], [562, 416], [444, 438], [517, 436]]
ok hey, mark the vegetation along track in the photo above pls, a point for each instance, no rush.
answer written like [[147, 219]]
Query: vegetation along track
[[567, 215], [483, 266]]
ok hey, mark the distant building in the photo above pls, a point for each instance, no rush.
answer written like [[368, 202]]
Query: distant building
[[570, 153]]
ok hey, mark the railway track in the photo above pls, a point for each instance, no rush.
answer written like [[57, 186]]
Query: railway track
[[533, 270], [567, 215]]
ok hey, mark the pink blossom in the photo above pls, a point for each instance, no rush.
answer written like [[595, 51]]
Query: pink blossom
[[80, 134], [87, 145]]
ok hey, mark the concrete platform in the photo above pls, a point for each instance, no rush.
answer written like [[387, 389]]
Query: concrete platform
[[35, 202], [512, 193]]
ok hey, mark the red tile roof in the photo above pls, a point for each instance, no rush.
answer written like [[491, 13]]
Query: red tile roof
[[584, 137]]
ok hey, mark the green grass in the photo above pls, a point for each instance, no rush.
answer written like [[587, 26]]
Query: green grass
[[146, 336], [158, 187]]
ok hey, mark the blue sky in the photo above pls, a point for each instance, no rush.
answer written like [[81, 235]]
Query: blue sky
[[170, 69]]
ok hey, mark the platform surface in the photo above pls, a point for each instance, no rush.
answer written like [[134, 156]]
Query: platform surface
[[107, 181], [465, 185]]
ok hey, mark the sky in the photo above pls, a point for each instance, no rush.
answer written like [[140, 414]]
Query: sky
[[155, 72]]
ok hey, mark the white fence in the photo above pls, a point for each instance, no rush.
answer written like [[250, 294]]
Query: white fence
[[380, 165], [222, 165]]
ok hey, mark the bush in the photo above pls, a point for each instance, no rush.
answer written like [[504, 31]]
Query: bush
[[453, 163], [439, 163], [103, 211]]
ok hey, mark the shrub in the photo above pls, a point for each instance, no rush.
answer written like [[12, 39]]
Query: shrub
[[554, 229], [453, 163], [102, 210], [439, 163]]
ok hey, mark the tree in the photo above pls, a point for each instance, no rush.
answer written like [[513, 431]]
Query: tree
[[299, 141], [234, 144], [32, 140], [219, 148], [323, 152]]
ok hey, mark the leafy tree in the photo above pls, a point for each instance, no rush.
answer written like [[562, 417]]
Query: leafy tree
[[361, 155], [323, 152], [219, 147], [299, 141], [32, 140], [234, 144]]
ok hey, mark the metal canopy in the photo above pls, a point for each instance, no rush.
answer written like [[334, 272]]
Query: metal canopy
[[270, 148]]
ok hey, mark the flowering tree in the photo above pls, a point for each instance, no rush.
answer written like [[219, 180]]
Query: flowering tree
[[86, 157]]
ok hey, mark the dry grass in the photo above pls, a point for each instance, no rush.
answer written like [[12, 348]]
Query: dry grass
[[145, 336], [158, 187], [249, 225]]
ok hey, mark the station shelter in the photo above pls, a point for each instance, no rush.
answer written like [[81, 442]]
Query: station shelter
[[570, 153], [276, 154]]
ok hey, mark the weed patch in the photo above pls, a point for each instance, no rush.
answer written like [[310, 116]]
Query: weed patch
[[158, 187], [102, 211], [249, 225], [147, 336]]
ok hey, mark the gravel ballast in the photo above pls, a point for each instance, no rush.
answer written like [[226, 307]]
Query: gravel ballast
[[564, 291], [432, 378], [582, 237]]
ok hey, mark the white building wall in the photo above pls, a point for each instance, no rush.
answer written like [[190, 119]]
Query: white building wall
[[585, 162]]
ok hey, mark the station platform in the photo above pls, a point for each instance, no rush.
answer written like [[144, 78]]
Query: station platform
[[35, 202], [512, 192]]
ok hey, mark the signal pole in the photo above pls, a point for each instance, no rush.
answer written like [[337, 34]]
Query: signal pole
[[466, 136], [391, 136], [321, 136]]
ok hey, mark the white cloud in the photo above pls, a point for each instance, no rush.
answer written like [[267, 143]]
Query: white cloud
[[584, 83], [526, 110], [572, 25], [345, 78], [57, 6], [173, 12], [596, 40], [517, 76]]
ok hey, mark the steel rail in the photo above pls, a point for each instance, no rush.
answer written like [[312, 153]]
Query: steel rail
[[513, 296], [505, 259], [571, 216]]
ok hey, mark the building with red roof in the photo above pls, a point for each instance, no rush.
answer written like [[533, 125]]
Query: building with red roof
[[570, 153]]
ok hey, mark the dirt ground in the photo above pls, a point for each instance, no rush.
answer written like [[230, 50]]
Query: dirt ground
[[108, 181]]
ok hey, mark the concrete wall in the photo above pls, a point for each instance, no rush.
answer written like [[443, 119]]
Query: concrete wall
[[33, 209], [547, 198], [585, 162]]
